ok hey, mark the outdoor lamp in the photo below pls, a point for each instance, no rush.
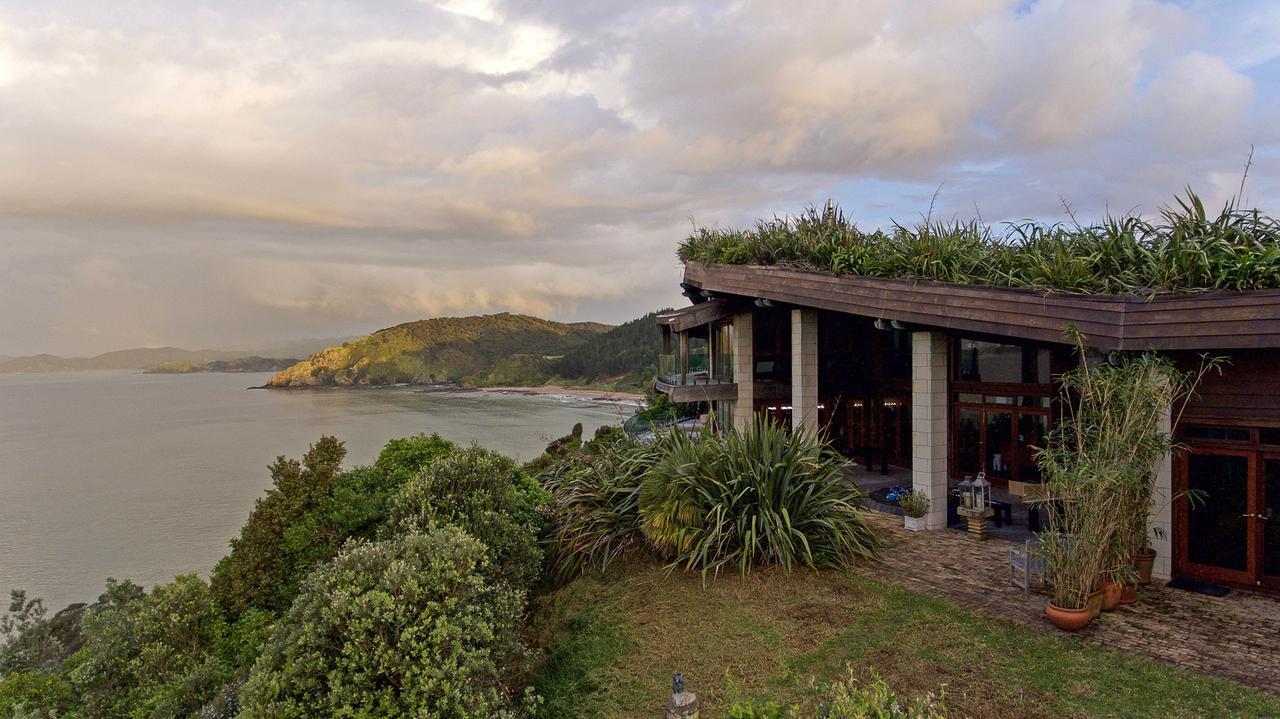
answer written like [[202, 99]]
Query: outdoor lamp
[[966, 491], [981, 492]]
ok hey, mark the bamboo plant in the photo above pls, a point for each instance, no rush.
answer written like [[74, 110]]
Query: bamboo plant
[[1100, 465]]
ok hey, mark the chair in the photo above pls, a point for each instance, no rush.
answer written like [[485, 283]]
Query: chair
[[1026, 562]]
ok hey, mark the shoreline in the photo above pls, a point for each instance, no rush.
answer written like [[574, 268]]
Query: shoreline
[[549, 390], [582, 392]]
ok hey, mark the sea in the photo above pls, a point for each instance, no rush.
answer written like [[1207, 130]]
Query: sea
[[147, 476]]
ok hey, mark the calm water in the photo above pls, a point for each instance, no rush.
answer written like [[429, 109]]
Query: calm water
[[147, 476]]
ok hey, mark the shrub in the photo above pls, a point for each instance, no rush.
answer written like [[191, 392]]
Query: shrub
[[744, 498], [359, 503], [258, 571], [407, 627], [490, 498], [915, 503], [157, 656]]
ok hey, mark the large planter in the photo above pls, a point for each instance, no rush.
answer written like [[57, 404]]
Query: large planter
[[1095, 603], [914, 524], [1143, 561], [1111, 592], [1068, 620], [1128, 593]]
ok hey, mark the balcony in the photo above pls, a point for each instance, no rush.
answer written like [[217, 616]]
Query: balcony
[[694, 379]]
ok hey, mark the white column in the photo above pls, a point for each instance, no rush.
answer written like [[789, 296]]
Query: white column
[[744, 370], [804, 369], [929, 422], [1161, 517]]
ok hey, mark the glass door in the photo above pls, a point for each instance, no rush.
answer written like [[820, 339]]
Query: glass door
[[1216, 516], [1268, 515]]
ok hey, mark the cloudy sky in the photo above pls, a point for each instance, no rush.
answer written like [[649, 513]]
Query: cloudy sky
[[229, 173]]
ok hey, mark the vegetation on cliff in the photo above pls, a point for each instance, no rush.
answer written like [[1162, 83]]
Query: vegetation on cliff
[[489, 350], [240, 364]]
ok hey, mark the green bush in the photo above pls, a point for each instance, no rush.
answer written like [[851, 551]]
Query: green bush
[[159, 656], [359, 503], [489, 497], [34, 695], [259, 573], [765, 495], [407, 627]]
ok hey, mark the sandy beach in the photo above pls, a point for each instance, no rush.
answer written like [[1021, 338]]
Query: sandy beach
[[551, 389]]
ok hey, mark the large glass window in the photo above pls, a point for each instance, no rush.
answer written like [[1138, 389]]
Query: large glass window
[[979, 361], [723, 367]]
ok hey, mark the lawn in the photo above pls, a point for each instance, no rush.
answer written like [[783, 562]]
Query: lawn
[[610, 644]]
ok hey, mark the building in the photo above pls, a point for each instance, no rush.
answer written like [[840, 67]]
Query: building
[[949, 380]]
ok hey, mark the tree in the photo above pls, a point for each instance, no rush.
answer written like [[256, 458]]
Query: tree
[[406, 627], [257, 573]]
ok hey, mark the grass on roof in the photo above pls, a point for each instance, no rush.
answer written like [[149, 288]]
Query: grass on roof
[[612, 643], [1185, 248]]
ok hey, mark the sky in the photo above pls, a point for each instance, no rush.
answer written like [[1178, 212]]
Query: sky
[[228, 174]]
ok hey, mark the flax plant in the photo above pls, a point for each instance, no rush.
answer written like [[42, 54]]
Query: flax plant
[[763, 495]]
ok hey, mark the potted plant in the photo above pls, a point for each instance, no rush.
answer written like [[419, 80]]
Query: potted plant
[[1070, 562], [915, 505]]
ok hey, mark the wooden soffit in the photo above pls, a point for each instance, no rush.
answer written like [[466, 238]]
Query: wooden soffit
[[1183, 321], [702, 313]]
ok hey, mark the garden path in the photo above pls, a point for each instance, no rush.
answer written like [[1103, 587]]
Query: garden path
[[1235, 637]]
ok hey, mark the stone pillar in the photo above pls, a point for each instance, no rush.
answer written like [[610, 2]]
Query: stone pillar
[[744, 371], [1161, 512], [804, 369], [929, 405]]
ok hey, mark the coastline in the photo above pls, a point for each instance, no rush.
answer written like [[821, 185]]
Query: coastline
[[582, 392]]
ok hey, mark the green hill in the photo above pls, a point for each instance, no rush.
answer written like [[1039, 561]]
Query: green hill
[[239, 364], [626, 356], [489, 349]]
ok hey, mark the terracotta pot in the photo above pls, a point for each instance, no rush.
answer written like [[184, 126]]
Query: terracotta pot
[[1068, 620], [1095, 603], [1128, 593], [1142, 561], [1110, 595]]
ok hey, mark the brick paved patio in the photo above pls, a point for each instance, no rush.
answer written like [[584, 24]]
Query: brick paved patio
[[1236, 637]]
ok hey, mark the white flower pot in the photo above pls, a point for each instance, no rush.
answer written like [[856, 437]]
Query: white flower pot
[[914, 524]]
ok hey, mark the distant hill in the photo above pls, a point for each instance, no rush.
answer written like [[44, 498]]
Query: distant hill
[[239, 364], [480, 350], [625, 356], [147, 357]]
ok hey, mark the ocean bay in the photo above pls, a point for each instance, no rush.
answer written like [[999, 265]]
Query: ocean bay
[[148, 476]]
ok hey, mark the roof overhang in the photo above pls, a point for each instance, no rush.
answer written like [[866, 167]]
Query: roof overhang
[[1183, 321], [702, 313]]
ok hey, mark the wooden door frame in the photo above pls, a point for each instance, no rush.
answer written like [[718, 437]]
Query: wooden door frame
[[1260, 532], [1182, 564]]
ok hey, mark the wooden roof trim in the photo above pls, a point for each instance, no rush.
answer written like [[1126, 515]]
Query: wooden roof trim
[[1197, 320], [700, 314]]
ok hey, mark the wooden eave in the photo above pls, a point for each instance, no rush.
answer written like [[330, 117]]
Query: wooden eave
[[702, 313], [1184, 321]]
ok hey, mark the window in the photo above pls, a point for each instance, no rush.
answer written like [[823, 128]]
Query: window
[[979, 361], [1220, 434]]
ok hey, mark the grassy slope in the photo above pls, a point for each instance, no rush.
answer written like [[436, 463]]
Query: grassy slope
[[614, 642], [454, 349]]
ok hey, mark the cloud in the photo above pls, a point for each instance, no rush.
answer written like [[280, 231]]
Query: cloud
[[229, 174]]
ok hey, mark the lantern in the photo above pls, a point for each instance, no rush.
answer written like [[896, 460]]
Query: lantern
[[966, 491], [981, 492]]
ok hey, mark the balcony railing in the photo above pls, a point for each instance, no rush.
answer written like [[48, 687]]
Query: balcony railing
[[696, 371]]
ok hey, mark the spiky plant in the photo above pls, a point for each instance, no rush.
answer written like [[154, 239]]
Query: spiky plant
[[764, 495]]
